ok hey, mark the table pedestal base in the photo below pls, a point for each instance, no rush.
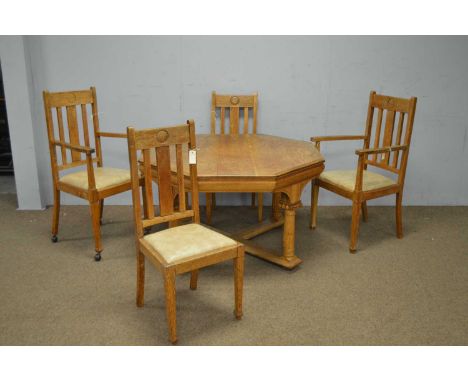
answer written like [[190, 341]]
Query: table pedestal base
[[271, 256], [274, 257]]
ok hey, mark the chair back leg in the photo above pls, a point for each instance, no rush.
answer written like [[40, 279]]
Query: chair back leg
[[140, 295], [194, 279], [364, 211], [169, 287], [213, 201], [101, 210], [95, 217], [398, 215], [55, 215], [209, 207], [260, 206]]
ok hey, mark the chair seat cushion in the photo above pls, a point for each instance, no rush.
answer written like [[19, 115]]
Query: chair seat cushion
[[346, 179], [104, 177], [187, 242]]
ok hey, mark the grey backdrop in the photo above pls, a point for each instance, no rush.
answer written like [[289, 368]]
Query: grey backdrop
[[307, 86]]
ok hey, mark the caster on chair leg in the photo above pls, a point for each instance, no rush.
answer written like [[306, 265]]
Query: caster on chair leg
[[97, 256], [54, 239]]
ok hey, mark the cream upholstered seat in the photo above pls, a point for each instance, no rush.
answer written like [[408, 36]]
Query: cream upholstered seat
[[187, 242], [104, 177], [347, 178]]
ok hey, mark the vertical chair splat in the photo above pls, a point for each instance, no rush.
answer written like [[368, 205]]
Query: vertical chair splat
[[148, 197], [180, 178], [61, 133], [398, 139], [388, 134], [377, 131], [166, 197], [73, 131]]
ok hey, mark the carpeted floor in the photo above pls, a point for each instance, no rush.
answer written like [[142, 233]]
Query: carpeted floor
[[412, 291]]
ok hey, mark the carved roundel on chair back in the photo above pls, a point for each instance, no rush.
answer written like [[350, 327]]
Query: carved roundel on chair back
[[162, 136], [234, 100], [389, 102]]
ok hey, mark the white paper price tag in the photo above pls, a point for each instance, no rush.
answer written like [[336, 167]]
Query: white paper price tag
[[192, 159]]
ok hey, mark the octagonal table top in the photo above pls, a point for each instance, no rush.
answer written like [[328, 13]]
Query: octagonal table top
[[242, 161], [252, 155]]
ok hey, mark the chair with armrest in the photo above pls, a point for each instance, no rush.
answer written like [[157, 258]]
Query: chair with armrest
[[69, 142], [180, 248], [389, 152]]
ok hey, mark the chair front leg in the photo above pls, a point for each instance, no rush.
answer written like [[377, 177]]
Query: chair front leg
[[354, 226], [55, 215], [314, 204], [95, 215], [140, 293], [238, 281], [169, 287]]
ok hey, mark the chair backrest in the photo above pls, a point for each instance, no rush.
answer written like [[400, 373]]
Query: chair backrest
[[168, 170], [73, 129], [248, 104], [391, 112]]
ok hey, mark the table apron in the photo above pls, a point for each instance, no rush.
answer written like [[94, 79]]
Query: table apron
[[220, 184]]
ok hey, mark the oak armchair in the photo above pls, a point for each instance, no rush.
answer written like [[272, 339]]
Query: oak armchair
[[70, 147], [389, 153]]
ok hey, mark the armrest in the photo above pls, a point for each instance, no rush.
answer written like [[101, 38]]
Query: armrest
[[111, 135], [81, 149], [337, 138], [381, 150]]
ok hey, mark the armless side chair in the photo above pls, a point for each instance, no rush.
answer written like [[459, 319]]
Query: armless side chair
[[389, 152], [180, 248], [70, 148], [234, 104]]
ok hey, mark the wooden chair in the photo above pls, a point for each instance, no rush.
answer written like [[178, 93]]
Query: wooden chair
[[72, 143], [182, 248], [235, 103], [361, 184]]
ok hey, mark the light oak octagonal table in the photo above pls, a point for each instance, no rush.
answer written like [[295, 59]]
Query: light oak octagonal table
[[259, 163]]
